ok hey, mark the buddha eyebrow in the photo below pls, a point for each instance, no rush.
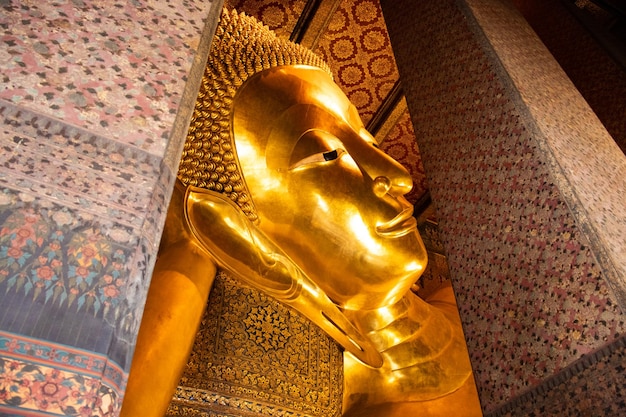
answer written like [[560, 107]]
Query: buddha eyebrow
[[329, 156]]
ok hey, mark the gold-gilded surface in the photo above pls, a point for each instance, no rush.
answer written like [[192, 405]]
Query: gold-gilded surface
[[241, 47], [254, 355], [323, 191], [460, 402], [424, 357], [282, 186], [237, 245], [180, 285]]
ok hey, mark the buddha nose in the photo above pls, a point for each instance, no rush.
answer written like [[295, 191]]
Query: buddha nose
[[381, 186], [390, 177], [396, 185]]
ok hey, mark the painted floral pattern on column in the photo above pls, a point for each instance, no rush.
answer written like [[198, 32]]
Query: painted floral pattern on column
[[28, 386], [51, 255]]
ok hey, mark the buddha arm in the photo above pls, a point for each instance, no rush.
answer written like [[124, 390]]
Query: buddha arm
[[177, 296]]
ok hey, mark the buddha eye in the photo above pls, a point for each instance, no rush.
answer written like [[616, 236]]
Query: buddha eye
[[319, 157], [315, 146], [329, 156]]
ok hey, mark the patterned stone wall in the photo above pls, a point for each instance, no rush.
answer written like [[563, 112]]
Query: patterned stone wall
[[94, 106], [507, 148], [598, 77]]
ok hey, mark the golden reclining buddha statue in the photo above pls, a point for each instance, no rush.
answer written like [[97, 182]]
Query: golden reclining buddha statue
[[281, 185]]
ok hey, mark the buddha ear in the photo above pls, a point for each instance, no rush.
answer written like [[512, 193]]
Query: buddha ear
[[240, 248], [233, 241]]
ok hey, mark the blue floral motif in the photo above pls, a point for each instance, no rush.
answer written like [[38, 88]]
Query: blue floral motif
[[50, 254]]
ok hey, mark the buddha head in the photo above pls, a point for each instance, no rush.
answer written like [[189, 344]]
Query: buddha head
[[273, 132]]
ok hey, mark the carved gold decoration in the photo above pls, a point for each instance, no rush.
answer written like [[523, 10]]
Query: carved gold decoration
[[253, 356]]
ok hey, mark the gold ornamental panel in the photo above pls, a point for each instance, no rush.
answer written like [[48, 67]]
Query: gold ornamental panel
[[254, 356]]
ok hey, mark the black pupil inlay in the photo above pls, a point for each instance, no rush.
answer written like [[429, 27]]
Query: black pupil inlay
[[329, 156]]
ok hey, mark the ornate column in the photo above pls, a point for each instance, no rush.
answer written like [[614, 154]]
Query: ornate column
[[94, 105], [530, 191]]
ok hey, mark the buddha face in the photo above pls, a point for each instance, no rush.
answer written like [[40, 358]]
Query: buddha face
[[323, 191]]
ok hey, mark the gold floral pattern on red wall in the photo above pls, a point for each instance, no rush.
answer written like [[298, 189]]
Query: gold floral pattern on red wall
[[357, 48], [280, 15]]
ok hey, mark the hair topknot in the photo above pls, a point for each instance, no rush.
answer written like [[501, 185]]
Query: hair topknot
[[242, 46]]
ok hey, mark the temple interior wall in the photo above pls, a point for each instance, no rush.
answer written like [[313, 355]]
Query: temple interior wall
[[590, 52], [528, 187], [529, 190]]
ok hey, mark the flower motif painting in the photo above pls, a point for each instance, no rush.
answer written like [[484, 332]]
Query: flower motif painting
[[45, 255]]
